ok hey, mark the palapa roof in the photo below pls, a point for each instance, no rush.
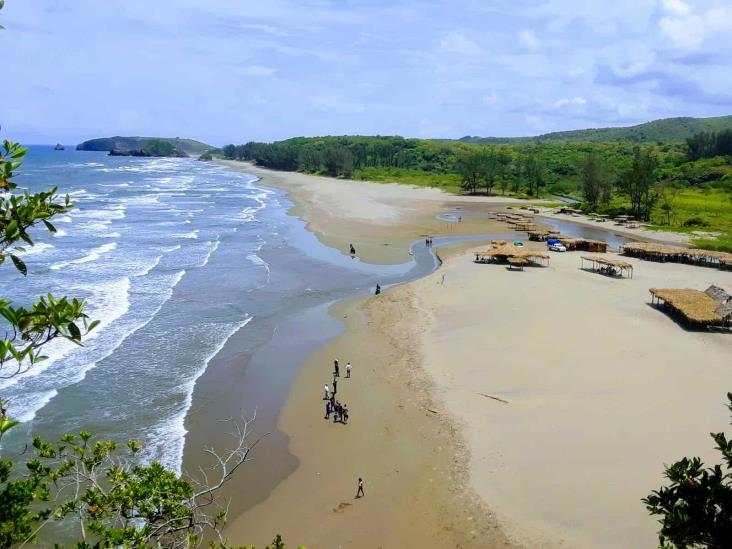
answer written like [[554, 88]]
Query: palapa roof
[[574, 239], [695, 305], [509, 250], [650, 248], [606, 261]]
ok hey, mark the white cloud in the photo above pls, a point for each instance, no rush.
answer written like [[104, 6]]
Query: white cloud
[[258, 70], [457, 42], [491, 99], [528, 38], [688, 30], [569, 101], [676, 7]]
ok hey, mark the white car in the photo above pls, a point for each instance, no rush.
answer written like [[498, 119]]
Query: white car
[[558, 247]]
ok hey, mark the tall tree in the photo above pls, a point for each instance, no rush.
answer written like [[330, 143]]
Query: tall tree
[[471, 165], [596, 182], [534, 173], [638, 183]]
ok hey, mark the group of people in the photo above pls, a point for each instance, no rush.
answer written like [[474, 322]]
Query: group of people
[[332, 406], [428, 241]]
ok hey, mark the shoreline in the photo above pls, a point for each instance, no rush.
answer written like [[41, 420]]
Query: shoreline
[[320, 511]]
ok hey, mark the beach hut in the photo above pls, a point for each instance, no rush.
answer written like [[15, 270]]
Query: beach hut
[[607, 266], [583, 244], [503, 253], [694, 307], [674, 254]]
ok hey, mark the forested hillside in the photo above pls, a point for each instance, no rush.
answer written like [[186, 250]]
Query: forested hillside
[[670, 130]]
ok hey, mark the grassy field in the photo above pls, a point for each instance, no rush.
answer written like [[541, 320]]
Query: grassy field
[[449, 182], [700, 211]]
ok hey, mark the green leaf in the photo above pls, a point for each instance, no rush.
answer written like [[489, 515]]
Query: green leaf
[[6, 424], [19, 264], [49, 226]]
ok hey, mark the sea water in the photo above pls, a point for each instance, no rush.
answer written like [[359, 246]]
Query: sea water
[[173, 256]]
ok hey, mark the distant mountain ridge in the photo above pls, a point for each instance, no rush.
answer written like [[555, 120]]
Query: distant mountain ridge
[[665, 129], [120, 143]]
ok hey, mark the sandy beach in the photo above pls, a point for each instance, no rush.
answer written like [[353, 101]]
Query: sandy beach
[[489, 408]]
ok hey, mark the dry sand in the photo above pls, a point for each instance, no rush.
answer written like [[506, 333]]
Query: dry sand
[[600, 388]]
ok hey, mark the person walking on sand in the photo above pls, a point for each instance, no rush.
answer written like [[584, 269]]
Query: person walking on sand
[[353, 250], [360, 493], [378, 289], [327, 409], [335, 385], [327, 392], [337, 412], [348, 370], [336, 368], [344, 414]]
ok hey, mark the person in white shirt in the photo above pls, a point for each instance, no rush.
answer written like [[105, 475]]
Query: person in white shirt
[[348, 370], [327, 392]]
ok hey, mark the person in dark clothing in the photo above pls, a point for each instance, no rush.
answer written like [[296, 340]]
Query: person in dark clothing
[[335, 385], [378, 290], [337, 412], [353, 250], [327, 409], [344, 414], [336, 368]]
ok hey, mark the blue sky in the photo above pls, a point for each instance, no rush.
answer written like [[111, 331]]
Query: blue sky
[[232, 71]]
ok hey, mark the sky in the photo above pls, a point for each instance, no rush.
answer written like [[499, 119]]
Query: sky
[[239, 70]]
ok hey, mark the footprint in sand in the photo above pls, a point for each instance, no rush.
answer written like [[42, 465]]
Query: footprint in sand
[[341, 507]]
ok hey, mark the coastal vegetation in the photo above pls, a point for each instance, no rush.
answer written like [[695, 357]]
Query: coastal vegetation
[[695, 510], [683, 186], [189, 146]]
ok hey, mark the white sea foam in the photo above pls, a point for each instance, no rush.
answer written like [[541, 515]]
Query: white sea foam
[[173, 431], [93, 255], [213, 247], [191, 235], [112, 302], [154, 264], [36, 249], [59, 233], [24, 406]]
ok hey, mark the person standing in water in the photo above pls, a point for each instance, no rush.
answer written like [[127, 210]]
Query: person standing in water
[[360, 493], [378, 290]]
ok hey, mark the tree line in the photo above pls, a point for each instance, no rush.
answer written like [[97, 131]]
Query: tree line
[[709, 145]]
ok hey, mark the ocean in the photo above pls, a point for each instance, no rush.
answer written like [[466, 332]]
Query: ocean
[[175, 257]]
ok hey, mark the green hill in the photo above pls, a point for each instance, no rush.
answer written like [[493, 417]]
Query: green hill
[[190, 146], [666, 130]]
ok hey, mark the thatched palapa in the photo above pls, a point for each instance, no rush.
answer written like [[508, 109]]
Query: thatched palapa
[[694, 306], [611, 267], [675, 254], [583, 244], [502, 253]]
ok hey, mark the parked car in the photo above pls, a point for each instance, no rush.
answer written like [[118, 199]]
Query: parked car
[[557, 247], [518, 243]]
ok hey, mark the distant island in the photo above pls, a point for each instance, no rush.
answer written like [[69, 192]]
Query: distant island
[[145, 146], [154, 147]]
